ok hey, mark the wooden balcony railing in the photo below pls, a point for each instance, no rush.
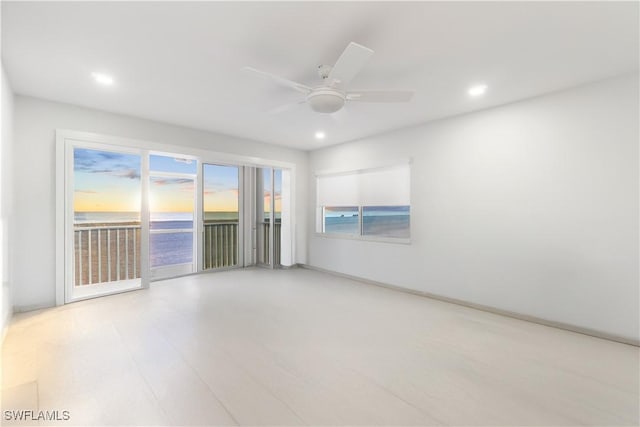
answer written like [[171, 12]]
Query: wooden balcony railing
[[111, 252], [220, 244], [106, 253], [264, 229]]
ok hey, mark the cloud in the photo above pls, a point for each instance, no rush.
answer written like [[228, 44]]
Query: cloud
[[172, 181], [222, 190], [108, 163], [131, 174], [86, 191], [88, 159], [108, 155], [220, 183], [120, 173]]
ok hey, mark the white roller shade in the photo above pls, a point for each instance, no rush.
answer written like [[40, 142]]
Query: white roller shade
[[374, 187]]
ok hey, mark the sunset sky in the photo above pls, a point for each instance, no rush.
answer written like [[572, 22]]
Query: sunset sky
[[110, 182], [106, 181], [220, 188]]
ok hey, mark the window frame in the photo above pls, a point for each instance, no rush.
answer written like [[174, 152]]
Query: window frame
[[319, 230], [360, 236]]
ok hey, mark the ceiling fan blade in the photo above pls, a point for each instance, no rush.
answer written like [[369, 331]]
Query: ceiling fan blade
[[380, 96], [286, 107], [281, 81], [349, 64]]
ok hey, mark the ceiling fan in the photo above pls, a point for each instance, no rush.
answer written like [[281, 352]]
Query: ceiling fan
[[331, 94]]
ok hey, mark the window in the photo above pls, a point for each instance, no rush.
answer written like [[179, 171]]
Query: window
[[385, 221], [366, 203], [341, 220]]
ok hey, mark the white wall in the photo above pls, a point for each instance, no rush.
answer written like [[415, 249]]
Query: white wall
[[35, 124], [530, 208], [6, 199]]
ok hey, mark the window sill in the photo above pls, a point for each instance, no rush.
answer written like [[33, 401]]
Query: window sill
[[396, 240]]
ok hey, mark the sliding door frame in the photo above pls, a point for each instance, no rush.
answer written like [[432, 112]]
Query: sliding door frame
[[175, 270], [103, 288], [64, 215], [242, 189], [259, 218]]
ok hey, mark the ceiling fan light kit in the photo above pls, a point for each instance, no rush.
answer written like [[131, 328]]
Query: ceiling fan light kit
[[326, 100], [331, 95]]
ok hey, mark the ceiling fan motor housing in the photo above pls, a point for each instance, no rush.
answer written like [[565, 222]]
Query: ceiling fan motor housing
[[326, 100]]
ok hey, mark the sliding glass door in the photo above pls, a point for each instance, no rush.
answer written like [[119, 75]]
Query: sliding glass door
[[172, 182], [131, 215], [221, 243], [107, 238], [114, 242], [268, 216]]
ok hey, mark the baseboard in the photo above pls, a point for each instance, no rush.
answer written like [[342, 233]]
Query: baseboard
[[494, 310], [32, 307]]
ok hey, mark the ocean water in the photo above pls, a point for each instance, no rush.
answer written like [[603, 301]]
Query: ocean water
[[125, 217], [341, 225], [386, 226], [81, 218], [385, 221], [170, 249]]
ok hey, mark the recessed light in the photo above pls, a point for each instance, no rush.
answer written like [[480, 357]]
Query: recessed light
[[477, 90], [103, 79], [320, 135]]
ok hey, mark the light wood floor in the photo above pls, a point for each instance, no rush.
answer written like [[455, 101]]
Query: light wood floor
[[298, 347]]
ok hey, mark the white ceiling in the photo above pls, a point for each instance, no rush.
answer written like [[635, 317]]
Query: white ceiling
[[180, 62]]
